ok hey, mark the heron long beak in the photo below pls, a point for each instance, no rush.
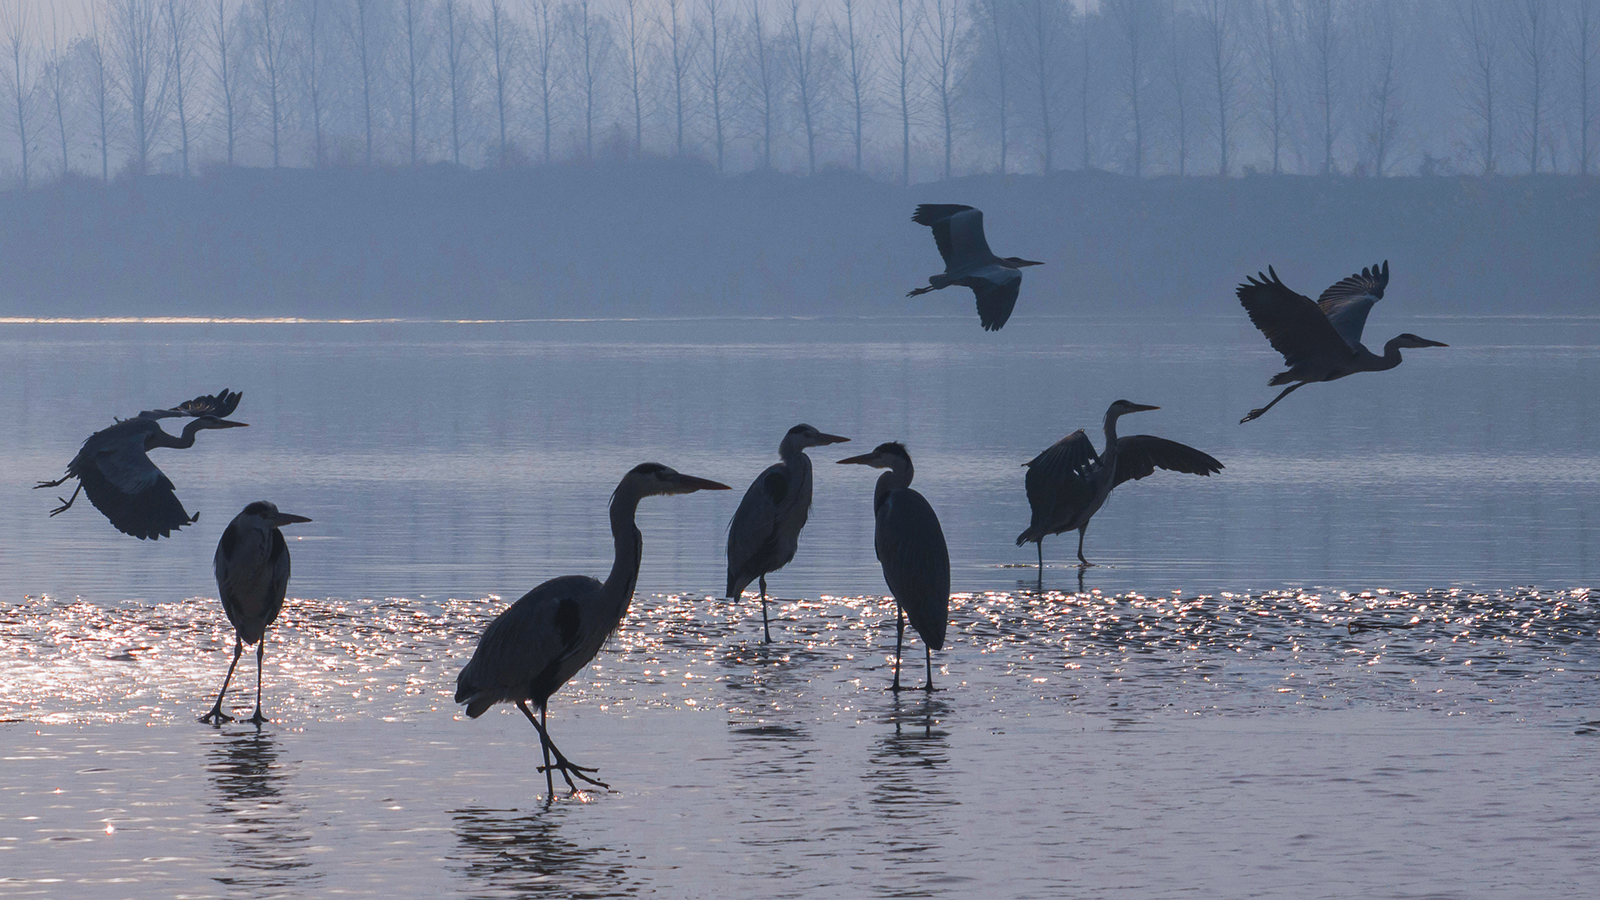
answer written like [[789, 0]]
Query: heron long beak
[[284, 518], [865, 459], [229, 423], [1140, 407], [823, 439], [692, 483], [1428, 343], [1028, 262]]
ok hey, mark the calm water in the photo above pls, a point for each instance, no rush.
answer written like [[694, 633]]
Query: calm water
[[1361, 660]]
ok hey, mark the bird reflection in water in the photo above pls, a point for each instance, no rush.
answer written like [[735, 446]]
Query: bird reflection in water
[[266, 841], [907, 767], [524, 854]]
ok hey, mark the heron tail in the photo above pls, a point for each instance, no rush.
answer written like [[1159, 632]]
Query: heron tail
[[1027, 537]]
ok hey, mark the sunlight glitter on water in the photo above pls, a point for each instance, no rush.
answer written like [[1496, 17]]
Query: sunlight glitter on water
[[396, 658]]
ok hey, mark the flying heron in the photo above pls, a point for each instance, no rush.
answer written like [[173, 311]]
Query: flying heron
[[765, 531], [912, 551], [969, 262], [114, 466], [252, 568], [1321, 341], [529, 651], [1068, 483]]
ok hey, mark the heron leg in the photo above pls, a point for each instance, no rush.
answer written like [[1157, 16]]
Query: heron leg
[[766, 629], [899, 640], [1040, 544], [927, 655], [261, 650], [1256, 413], [565, 766], [216, 716], [66, 503], [1082, 563]]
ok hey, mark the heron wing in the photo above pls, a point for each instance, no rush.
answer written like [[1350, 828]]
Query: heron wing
[[1139, 455], [916, 562], [151, 513], [753, 531], [958, 230], [1347, 303], [221, 404], [1295, 326], [996, 288], [533, 647], [1060, 484]]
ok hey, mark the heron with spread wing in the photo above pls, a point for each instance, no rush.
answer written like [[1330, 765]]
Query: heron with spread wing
[[765, 531], [529, 651], [968, 261], [114, 466], [912, 551], [1068, 483], [1321, 341]]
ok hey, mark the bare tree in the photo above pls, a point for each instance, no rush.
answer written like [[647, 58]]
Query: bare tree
[[1178, 71], [1480, 37], [1325, 49], [271, 47], [500, 37], [1584, 38], [310, 59], [542, 42], [56, 85], [591, 46], [683, 47], [1533, 37], [633, 61], [1086, 32], [359, 28], [180, 18], [143, 73], [763, 74], [18, 72], [1045, 30], [1220, 20], [224, 41], [806, 62], [855, 39], [1270, 64], [1136, 18], [457, 30], [411, 21], [943, 34], [901, 27], [714, 71], [1384, 95], [101, 87]]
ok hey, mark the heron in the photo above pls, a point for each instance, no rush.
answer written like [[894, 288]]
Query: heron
[[532, 648], [912, 551], [1069, 482], [765, 531], [968, 261], [1321, 341], [252, 568], [114, 467]]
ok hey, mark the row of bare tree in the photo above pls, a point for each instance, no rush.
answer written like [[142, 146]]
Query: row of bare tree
[[905, 89]]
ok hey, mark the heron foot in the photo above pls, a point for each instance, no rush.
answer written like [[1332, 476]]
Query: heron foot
[[215, 717], [918, 291], [567, 768], [1085, 565], [258, 718], [929, 688], [57, 483], [1254, 414]]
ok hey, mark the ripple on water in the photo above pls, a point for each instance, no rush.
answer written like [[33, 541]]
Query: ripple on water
[[1232, 653]]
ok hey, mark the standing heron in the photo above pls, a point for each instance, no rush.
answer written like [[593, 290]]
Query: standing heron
[[968, 261], [1068, 483], [912, 551], [1321, 341], [529, 651], [765, 531], [114, 467], [252, 568]]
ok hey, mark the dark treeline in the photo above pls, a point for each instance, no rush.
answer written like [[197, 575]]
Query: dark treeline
[[675, 238], [904, 90]]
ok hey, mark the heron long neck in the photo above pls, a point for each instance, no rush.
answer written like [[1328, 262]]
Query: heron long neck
[[792, 452], [160, 438], [630, 548], [1390, 357], [1109, 454], [892, 480]]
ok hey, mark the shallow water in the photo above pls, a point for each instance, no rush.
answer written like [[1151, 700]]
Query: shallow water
[[1360, 661]]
